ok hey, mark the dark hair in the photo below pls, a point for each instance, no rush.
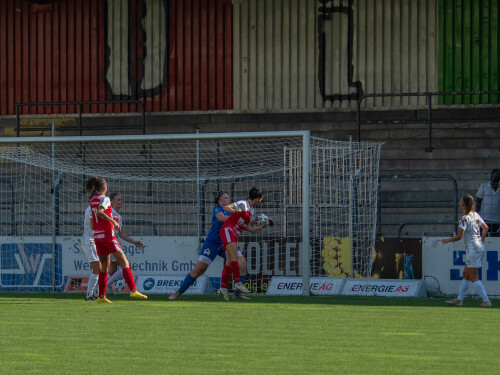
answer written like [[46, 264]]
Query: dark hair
[[255, 192], [113, 196], [94, 184], [219, 195], [468, 203]]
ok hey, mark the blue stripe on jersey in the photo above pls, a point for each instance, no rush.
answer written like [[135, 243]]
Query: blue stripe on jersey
[[213, 234]]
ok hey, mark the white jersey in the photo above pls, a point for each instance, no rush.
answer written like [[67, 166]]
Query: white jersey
[[120, 221], [471, 223], [490, 205], [88, 233]]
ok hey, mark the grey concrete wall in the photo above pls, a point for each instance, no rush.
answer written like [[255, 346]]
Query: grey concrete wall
[[465, 141]]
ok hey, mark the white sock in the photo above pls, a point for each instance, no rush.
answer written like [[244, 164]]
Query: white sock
[[464, 287], [223, 289], [92, 285], [480, 290], [116, 276]]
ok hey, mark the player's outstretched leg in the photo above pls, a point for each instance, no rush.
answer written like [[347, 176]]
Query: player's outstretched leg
[[235, 268], [224, 281], [118, 275], [237, 293], [222, 293], [103, 300], [186, 283], [174, 295], [92, 289], [127, 275]]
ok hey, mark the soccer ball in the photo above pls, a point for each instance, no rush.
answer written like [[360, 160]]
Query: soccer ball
[[120, 285], [263, 221]]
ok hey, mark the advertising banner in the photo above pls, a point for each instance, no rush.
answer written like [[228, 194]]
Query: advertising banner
[[384, 288], [27, 263], [154, 284], [443, 266], [292, 286]]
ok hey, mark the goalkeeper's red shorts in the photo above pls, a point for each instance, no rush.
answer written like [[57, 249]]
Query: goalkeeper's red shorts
[[108, 247], [227, 236]]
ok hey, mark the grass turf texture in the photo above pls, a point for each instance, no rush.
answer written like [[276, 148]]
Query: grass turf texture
[[63, 334]]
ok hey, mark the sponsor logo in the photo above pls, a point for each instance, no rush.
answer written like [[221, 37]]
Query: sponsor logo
[[158, 284], [148, 284], [289, 286], [280, 285], [30, 265], [381, 288], [207, 252]]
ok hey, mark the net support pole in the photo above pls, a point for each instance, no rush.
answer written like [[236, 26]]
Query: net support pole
[[198, 190], [351, 205], [306, 217], [54, 214]]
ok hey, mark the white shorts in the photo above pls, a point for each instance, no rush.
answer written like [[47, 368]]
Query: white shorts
[[474, 260], [90, 251]]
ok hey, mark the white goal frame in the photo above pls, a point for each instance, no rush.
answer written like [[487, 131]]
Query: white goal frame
[[306, 148]]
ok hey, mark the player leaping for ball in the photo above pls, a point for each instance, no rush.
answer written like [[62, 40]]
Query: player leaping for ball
[[211, 248], [106, 243], [242, 213]]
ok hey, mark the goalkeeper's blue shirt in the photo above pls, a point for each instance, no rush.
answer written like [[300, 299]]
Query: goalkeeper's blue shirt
[[214, 233]]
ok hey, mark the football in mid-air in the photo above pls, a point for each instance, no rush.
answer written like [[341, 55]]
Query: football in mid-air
[[263, 221]]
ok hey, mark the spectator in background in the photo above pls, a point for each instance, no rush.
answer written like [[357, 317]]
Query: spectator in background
[[488, 203]]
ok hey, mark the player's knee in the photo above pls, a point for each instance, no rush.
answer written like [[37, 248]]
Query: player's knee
[[199, 270], [242, 263]]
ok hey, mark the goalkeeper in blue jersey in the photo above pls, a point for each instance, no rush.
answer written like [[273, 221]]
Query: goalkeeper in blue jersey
[[212, 246]]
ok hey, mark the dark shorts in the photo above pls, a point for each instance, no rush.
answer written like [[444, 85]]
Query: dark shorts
[[210, 250]]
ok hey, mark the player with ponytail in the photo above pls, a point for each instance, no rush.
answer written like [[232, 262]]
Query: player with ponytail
[[103, 225], [473, 229]]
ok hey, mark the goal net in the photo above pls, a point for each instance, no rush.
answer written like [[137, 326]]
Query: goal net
[[168, 184]]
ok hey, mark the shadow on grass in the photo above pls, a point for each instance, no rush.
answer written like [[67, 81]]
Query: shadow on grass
[[30, 298]]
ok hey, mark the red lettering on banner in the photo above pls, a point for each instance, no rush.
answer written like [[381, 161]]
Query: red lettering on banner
[[326, 286]]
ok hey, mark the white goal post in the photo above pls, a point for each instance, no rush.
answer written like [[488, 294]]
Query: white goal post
[[322, 195]]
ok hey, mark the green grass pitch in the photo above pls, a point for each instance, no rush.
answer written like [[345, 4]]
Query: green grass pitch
[[63, 334]]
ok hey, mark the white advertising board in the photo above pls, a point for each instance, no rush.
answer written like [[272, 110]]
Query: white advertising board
[[292, 286], [384, 288], [442, 266], [173, 256], [26, 262], [154, 284]]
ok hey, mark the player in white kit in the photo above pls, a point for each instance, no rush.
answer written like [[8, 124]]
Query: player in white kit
[[115, 273], [90, 251], [473, 229]]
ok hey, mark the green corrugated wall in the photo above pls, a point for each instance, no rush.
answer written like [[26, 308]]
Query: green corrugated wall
[[468, 50]]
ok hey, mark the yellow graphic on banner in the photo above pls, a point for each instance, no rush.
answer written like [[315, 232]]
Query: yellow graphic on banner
[[337, 256]]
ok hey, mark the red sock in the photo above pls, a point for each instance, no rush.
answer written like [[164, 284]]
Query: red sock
[[236, 271], [226, 275], [102, 280], [129, 279]]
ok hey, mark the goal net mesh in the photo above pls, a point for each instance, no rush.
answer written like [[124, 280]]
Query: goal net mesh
[[168, 187]]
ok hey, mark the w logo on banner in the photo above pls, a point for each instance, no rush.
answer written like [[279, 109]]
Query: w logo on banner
[[24, 265]]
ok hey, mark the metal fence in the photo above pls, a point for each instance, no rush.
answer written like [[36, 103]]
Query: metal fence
[[414, 205]]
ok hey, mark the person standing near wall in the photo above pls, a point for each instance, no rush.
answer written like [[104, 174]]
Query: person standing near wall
[[488, 203]]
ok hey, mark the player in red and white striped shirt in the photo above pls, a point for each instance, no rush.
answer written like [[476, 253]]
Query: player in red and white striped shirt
[[242, 213], [106, 243]]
